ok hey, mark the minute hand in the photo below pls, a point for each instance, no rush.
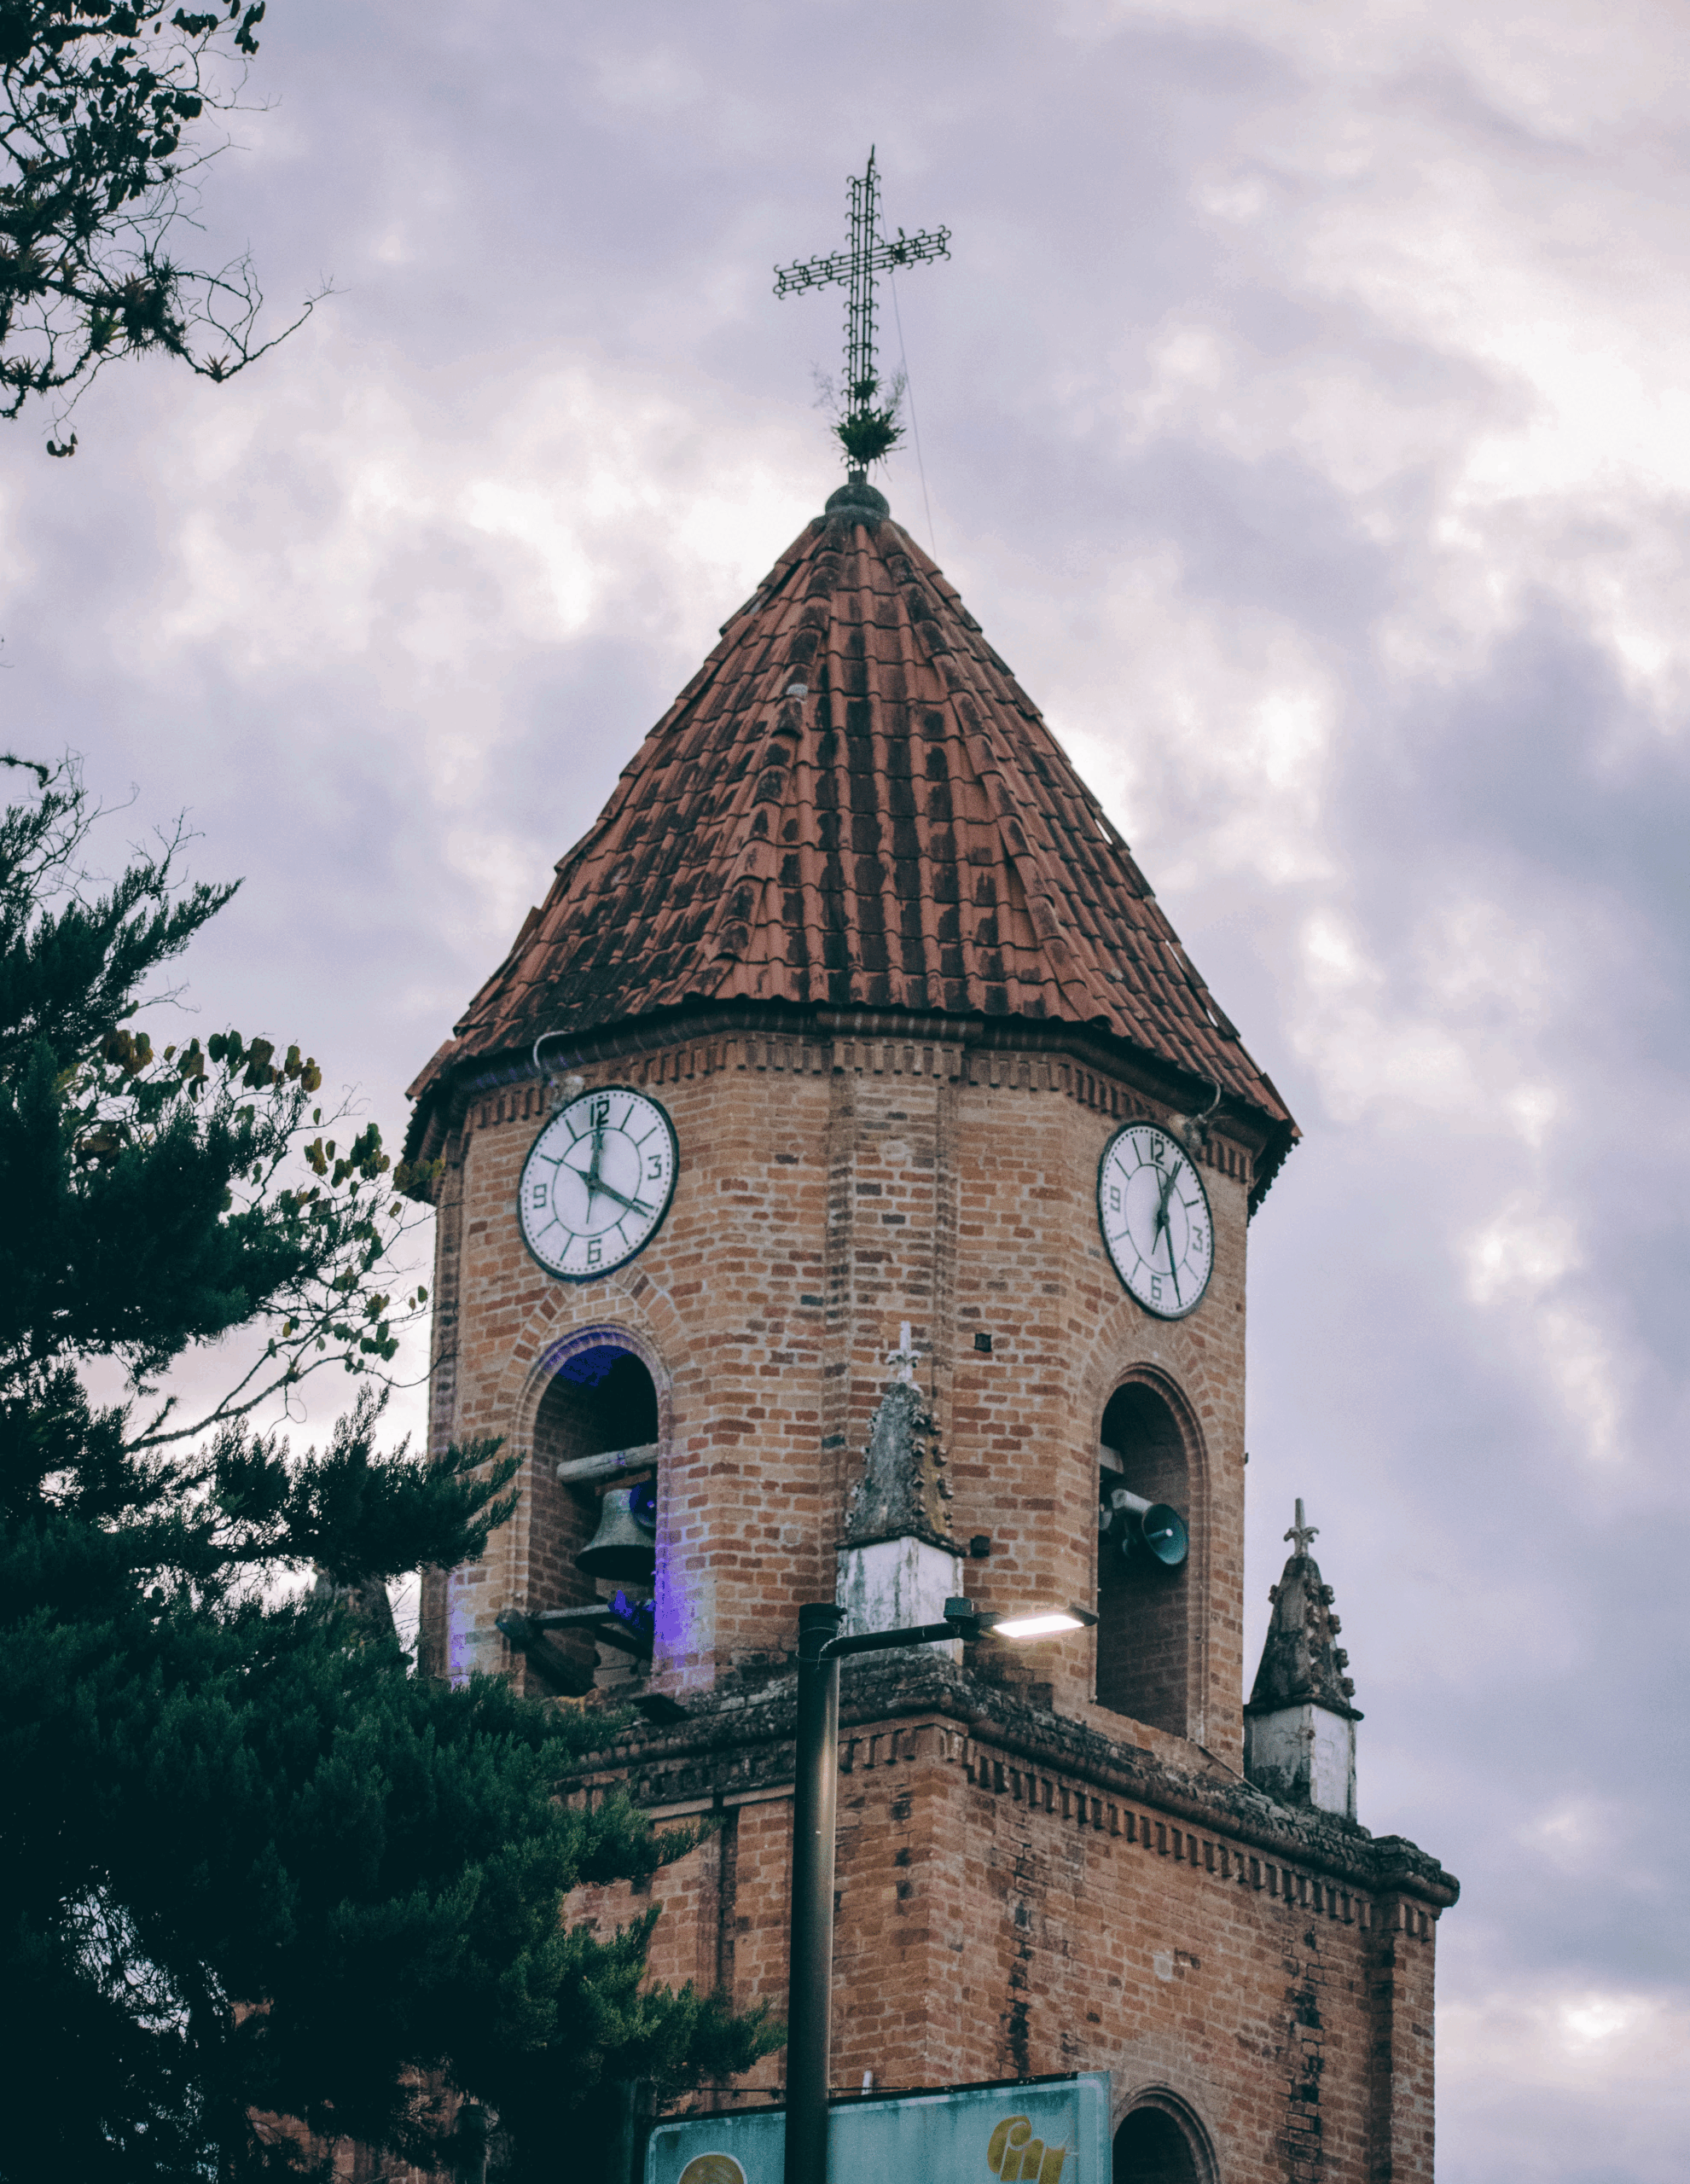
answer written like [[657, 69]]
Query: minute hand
[[591, 1177], [633, 1204], [1163, 1228], [1168, 1182]]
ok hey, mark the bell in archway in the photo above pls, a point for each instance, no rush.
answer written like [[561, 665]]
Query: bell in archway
[[625, 1546]]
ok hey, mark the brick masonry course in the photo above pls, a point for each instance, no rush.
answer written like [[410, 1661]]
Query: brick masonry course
[[1017, 1895], [1028, 1881]]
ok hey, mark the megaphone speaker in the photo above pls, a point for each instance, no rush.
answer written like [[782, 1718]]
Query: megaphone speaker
[[1153, 1528]]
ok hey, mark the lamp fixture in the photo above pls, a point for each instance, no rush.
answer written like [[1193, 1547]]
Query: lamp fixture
[[1043, 1623], [968, 1621]]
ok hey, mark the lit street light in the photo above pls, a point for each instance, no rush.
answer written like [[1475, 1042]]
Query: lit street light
[[815, 1804]]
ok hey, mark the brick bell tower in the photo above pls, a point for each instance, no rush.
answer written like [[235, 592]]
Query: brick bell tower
[[873, 1225]]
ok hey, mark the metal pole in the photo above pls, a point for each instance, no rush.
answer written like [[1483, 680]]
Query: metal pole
[[816, 1790], [809, 1986]]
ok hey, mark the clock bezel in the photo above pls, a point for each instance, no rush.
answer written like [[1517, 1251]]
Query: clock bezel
[[1156, 1312], [601, 1272]]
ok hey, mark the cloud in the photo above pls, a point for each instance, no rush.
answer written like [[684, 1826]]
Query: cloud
[[1597, 2072], [1301, 415]]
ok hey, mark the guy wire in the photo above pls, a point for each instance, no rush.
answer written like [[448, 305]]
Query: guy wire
[[915, 421]]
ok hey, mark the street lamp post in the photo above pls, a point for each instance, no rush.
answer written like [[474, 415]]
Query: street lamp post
[[814, 1809]]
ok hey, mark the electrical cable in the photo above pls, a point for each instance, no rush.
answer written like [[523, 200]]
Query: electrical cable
[[915, 421]]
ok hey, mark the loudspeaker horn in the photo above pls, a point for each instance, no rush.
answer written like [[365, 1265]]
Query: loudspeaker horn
[[1153, 1526]]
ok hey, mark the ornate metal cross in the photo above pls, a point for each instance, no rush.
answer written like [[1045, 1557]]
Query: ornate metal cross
[[869, 429], [1303, 1533]]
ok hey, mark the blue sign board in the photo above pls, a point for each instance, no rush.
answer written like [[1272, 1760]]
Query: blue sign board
[[1046, 2131]]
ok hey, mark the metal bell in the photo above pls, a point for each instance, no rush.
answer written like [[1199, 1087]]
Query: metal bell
[[625, 1545]]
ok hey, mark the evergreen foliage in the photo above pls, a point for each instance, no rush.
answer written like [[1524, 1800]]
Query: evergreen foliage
[[254, 1870], [99, 101]]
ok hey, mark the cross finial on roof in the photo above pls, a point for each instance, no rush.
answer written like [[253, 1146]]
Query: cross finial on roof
[[904, 1360], [869, 429], [1302, 1533]]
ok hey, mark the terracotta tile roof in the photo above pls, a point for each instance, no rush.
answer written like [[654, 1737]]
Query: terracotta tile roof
[[854, 804]]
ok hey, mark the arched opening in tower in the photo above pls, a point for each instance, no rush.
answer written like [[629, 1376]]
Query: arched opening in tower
[[1143, 1607], [1151, 2148], [601, 1400]]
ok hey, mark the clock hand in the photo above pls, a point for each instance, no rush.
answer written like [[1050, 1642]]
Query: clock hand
[[633, 1204], [1162, 1213], [591, 1177], [1163, 1228]]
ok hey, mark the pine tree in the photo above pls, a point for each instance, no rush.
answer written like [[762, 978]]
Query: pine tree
[[262, 1885]]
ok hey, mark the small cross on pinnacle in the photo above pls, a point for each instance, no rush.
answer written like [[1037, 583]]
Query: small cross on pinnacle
[[869, 429], [1303, 1533], [904, 1360]]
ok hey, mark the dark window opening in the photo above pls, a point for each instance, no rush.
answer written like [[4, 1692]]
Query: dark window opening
[[1151, 2148], [601, 1400], [608, 1396], [1143, 1608]]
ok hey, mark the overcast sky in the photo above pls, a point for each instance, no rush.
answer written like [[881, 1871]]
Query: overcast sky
[[1302, 414]]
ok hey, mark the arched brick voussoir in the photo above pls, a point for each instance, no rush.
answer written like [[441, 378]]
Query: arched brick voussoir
[[1128, 1348], [627, 1308], [1176, 2092], [1126, 1345], [627, 1305]]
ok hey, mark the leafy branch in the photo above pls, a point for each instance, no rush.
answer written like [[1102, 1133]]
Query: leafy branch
[[164, 1199], [99, 100], [316, 1220]]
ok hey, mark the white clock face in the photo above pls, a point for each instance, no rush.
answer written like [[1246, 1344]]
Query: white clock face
[[1155, 1214], [598, 1182]]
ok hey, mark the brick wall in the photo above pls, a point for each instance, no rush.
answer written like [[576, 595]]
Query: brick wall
[[829, 1191], [999, 1918], [995, 1917]]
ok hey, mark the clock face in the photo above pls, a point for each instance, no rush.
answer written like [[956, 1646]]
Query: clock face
[[1155, 1214], [597, 1184]]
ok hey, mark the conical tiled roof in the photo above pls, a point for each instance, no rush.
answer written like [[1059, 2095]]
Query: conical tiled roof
[[854, 804]]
